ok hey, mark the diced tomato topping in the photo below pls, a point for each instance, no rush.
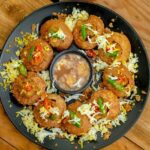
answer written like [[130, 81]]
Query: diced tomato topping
[[39, 48], [47, 103], [38, 57], [107, 49], [91, 53], [96, 108], [122, 79]]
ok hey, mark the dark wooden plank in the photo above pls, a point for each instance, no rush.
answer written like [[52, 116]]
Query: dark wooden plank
[[5, 145]]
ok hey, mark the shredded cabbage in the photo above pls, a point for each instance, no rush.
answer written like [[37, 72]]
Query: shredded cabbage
[[132, 63], [76, 15], [10, 72]]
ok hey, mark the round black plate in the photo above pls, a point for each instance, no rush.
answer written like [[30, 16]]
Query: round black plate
[[119, 25]]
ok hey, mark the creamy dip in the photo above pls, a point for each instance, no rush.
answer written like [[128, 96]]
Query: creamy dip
[[71, 72]]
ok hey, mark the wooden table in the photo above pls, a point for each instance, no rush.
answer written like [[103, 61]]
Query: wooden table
[[136, 12]]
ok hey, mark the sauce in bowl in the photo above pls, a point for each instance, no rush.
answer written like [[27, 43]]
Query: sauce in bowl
[[71, 72]]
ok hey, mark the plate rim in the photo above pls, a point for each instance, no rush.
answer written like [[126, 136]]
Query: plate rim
[[130, 26]]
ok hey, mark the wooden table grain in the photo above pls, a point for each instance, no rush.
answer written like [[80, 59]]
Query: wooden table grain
[[136, 12]]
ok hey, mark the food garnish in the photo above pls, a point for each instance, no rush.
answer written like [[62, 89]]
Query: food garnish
[[83, 31], [30, 55], [117, 85]]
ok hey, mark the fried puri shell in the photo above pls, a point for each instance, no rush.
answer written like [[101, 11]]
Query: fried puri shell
[[47, 55], [57, 101], [85, 123], [97, 24], [55, 25], [119, 71], [124, 46], [32, 95], [111, 98]]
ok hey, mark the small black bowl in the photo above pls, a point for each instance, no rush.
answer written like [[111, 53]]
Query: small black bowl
[[77, 52]]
